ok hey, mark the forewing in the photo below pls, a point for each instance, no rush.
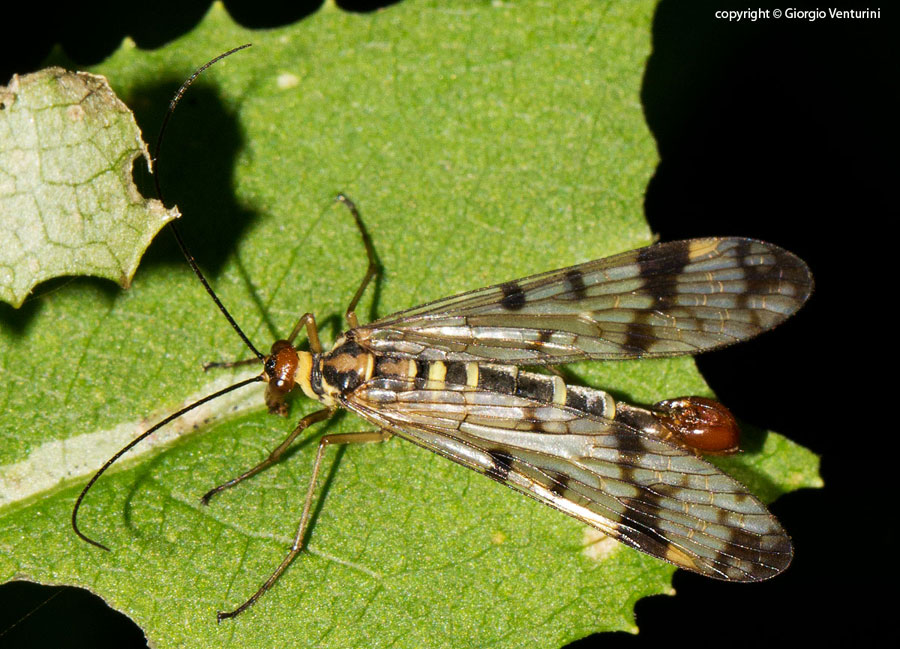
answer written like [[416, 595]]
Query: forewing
[[647, 493], [668, 299]]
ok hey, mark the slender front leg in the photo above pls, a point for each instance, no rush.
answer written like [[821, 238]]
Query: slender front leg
[[307, 320], [306, 422], [299, 538], [372, 268]]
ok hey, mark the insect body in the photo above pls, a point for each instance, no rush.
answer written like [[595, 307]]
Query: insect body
[[449, 376], [453, 376]]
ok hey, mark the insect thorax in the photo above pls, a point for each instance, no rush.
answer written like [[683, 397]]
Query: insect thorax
[[337, 372]]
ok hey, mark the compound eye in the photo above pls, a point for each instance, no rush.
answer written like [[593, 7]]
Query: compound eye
[[270, 365]]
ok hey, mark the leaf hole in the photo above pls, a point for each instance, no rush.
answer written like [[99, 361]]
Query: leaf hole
[[34, 615]]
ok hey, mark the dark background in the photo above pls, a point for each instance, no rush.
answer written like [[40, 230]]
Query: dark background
[[781, 130]]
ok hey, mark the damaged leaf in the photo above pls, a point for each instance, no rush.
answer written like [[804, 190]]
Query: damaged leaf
[[68, 204]]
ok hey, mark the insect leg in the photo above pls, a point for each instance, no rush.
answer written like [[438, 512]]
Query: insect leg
[[372, 268], [275, 455], [299, 538], [307, 320]]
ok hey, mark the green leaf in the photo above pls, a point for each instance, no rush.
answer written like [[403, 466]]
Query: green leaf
[[481, 143], [68, 205]]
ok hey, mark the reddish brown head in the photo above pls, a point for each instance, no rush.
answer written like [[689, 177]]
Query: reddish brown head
[[701, 424], [280, 372]]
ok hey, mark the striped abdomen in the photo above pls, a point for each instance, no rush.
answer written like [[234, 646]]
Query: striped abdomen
[[502, 379]]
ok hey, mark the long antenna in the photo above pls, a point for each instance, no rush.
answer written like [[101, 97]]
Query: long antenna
[[193, 264], [136, 441], [184, 249]]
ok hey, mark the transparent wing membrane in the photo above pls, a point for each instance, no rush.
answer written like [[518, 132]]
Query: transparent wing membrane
[[669, 299], [650, 494]]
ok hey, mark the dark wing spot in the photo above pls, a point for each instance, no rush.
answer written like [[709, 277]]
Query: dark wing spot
[[756, 281], [513, 296], [575, 284], [559, 484], [767, 279], [529, 415], [627, 442], [645, 510], [667, 259], [660, 267], [501, 467]]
